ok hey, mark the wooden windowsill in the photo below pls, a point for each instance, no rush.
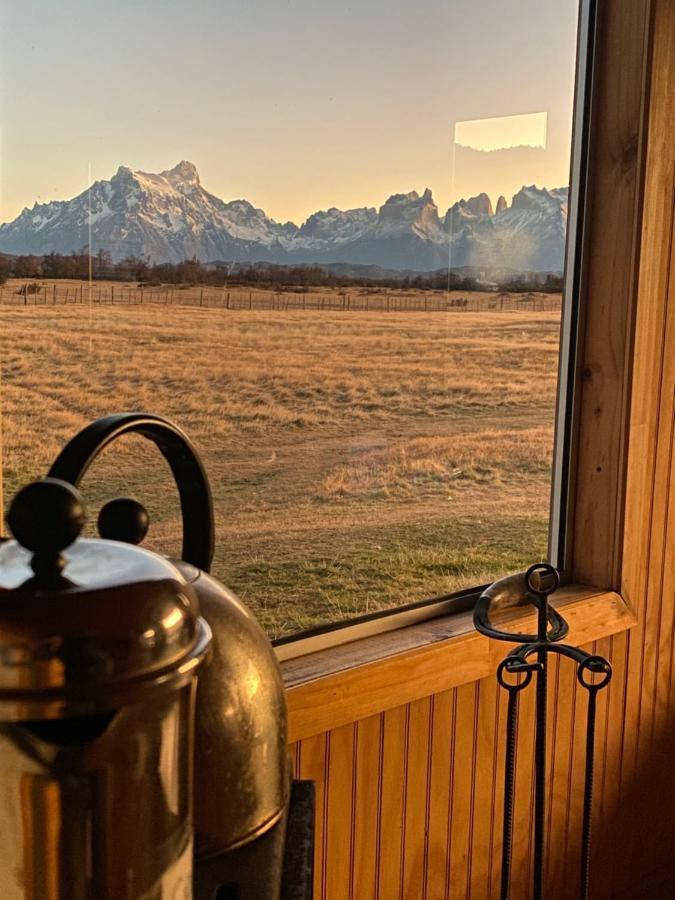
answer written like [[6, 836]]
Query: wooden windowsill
[[333, 687]]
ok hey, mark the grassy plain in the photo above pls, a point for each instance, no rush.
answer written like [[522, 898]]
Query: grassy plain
[[358, 460]]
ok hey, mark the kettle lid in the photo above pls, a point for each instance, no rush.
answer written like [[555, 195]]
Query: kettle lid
[[86, 624]]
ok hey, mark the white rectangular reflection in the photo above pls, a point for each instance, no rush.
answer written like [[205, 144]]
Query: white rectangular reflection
[[502, 132]]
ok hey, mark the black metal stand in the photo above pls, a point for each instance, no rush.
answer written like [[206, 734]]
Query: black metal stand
[[297, 881], [593, 674]]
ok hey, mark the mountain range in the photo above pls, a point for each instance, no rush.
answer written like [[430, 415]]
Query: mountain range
[[169, 217]]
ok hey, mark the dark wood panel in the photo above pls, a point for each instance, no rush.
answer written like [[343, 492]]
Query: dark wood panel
[[616, 164]]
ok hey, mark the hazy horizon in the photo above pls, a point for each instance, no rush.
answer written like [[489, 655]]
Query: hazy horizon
[[295, 108]]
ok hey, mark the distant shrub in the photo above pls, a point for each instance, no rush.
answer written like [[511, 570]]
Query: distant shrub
[[26, 290]]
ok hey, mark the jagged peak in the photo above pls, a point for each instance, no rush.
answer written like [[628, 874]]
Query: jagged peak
[[410, 197], [334, 211], [534, 198], [241, 203], [480, 205], [185, 172], [401, 198]]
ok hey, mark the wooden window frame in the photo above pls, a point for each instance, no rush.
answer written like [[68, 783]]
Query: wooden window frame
[[331, 687]]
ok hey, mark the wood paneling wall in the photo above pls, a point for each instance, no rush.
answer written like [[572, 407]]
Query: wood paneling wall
[[410, 800]]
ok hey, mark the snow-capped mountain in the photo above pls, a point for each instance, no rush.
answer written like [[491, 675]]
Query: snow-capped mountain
[[528, 235], [169, 217], [333, 227]]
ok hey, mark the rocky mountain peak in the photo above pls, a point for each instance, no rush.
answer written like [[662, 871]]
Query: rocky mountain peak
[[463, 210], [184, 174], [336, 223], [501, 204], [480, 205], [403, 212], [535, 199], [410, 201], [124, 175]]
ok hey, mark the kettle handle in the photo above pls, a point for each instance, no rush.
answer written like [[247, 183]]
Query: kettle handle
[[189, 474]]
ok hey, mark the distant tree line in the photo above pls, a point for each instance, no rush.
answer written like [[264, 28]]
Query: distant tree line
[[81, 266], [551, 284]]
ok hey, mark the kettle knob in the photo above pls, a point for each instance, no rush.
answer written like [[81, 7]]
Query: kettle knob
[[124, 520], [46, 517]]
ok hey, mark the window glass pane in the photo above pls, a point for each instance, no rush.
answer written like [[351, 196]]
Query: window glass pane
[[326, 241]]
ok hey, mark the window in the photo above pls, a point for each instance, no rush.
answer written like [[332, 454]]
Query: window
[[350, 297]]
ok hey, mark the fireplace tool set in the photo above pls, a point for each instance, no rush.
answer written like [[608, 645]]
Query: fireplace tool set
[[531, 658]]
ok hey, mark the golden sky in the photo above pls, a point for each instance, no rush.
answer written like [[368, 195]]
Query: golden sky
[[295, 106]]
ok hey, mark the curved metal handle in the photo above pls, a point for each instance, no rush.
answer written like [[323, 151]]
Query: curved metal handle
[[509, 592], [189, 474]]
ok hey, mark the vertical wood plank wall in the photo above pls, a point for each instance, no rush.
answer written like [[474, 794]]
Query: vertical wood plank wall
[[410, 801]]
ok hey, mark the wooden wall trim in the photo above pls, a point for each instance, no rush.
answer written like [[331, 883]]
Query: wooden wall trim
[[323, 698], [652, 408], [613, 233]]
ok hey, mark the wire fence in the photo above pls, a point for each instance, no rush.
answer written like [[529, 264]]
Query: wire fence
[[54, 294]]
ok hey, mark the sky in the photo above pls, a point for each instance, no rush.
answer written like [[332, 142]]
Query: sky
[[294, 105]]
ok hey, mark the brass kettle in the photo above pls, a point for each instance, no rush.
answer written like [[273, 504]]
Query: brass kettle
[[241, 771], [100, 644]]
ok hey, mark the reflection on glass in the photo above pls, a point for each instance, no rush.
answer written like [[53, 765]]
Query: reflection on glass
[[368, 370]]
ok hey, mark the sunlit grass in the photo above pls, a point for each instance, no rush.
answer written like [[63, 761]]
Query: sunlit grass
[[357, 460]]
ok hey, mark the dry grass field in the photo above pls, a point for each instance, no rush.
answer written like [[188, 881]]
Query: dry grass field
[[358, 459]]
